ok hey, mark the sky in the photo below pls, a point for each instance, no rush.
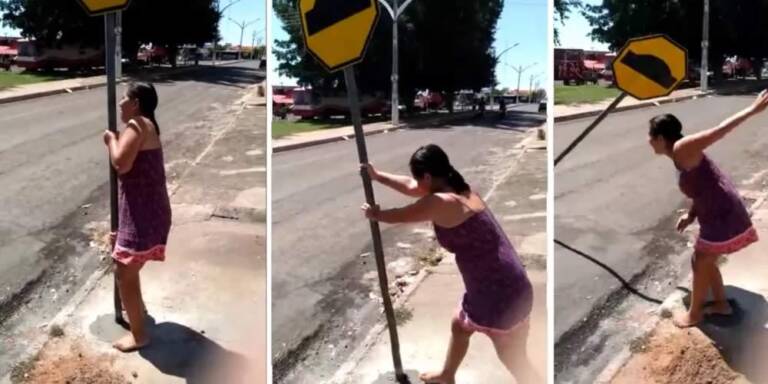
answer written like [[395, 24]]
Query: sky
[[243, 10], [574, 34], [522, 21]]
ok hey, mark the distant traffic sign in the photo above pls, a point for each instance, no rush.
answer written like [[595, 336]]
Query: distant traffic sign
[[650, 66], [100, 7], [337, 32]]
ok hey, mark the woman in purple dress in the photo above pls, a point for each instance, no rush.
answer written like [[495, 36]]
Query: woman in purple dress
[[725, 225], [499, 296], [144, 208]]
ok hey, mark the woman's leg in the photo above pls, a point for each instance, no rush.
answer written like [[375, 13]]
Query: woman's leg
[[721, 305], [128, 279], [702, 265], [512, 351], [457, 349]]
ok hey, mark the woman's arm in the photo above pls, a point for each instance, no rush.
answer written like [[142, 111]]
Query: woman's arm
[[424, 209], [403, 184], [688, 150], [124, 148]]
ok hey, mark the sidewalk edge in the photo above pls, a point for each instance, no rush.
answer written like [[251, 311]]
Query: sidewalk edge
[[289, 147], [354, 359], [35, 95], [644, 104]]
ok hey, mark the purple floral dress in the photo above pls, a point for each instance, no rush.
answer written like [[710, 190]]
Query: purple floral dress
[[723, 217], [498, 295], [144, 210]]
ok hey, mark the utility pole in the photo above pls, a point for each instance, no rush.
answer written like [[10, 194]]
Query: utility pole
[[520, 71], [496, 60], [395, 12], [242, 26], [705, 48], [221, 12], [253, 46], [530, 91]]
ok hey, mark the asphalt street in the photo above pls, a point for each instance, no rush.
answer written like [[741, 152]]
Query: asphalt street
[[54, 178], [618, 202], [320, 300]]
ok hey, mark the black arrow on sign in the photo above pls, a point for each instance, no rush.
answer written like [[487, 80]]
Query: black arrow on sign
[[651, 67], [329, 12]]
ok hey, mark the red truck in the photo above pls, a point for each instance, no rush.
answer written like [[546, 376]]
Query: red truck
[[570, 67], [33, 55], [309, 105]]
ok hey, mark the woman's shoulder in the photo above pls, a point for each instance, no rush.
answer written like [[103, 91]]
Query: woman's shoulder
[[141, 123]]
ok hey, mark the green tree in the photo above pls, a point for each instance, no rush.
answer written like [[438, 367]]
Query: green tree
[[167, 23], [445, 45], [562, 9], [735, 27]]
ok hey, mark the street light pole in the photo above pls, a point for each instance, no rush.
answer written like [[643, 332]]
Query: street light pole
[[220, 11], [395, 11], [496, 60], [242, 26], [520, 71], [705, 49]]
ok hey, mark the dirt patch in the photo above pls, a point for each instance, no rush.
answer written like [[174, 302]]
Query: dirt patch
[[64, 361], [672, 355]]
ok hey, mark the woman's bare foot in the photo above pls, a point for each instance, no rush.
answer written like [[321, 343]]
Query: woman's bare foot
[[685, 319], [436, 378], [128, 344], [719, 308]]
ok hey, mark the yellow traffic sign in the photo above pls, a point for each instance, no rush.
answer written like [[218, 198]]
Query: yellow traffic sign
[[100, 7], [650, 66], [337, 32]]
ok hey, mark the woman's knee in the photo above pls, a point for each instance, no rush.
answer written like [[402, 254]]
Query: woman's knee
[[458, 329], [127, 273], [703, 259]]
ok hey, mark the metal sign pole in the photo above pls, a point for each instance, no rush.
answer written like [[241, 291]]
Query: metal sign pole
[[118, 44], [592, 126], [109, 43], [354, 106]]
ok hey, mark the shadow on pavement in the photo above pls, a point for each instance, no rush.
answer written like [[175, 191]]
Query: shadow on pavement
[[180, 351], [518, 121], [739, 87], [230, 75], [389, 378], [742, 337]]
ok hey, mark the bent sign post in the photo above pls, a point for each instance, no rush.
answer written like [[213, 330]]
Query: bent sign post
[[109, 9], [337, 33], [647, 67]]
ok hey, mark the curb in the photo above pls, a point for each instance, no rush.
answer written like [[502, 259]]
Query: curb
[[348, 366], [645, 104], [374, 131], [663, 311], [13, 99]]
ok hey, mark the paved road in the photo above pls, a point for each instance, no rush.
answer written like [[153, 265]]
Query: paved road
[[318, 233], [617, 201], [53, 174]]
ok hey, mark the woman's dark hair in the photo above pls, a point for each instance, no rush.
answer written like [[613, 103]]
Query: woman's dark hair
[[431, 159], [666, 126], [146, 94]]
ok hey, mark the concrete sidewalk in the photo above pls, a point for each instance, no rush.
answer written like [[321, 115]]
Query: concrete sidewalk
[[48, 88], [207, 301], [722, 349], [424, 328], [307, 139]]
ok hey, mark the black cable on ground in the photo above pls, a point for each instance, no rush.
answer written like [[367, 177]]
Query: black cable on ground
[[618, 277], [560, 158]]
